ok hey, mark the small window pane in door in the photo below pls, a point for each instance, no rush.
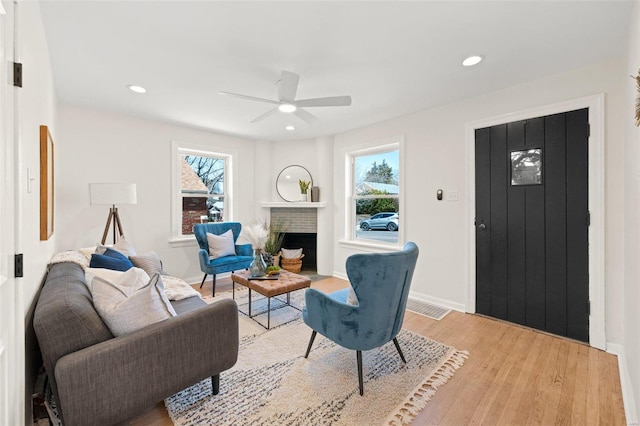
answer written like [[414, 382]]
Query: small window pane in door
[[526, 167]]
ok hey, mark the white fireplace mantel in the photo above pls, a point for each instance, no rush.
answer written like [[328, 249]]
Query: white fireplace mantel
[[295, 205]]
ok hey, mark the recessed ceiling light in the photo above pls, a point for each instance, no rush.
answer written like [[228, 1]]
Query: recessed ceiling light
[[471, 60], [290, 127], [137, 89], [286, 107]]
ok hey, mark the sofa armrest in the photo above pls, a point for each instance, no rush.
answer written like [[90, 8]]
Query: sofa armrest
[[117, 379], [244, 250]]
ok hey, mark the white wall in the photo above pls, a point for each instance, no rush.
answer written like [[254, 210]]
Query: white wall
[[98, 146], [435, 158], [37, 103], [632, 216]]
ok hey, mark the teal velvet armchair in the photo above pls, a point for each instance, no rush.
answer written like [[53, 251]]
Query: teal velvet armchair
[[241, 260], [381, 284]]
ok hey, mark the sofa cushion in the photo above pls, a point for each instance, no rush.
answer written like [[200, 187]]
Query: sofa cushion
[[111, 259], [221, 245], [131, 302]]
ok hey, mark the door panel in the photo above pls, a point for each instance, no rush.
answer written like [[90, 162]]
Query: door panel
[[577, 225], [555, 217], [531, 234], [534, 233], [498, 226], [483, 209], [516, 234]]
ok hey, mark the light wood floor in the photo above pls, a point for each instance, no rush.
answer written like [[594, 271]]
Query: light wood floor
[[514, 376]]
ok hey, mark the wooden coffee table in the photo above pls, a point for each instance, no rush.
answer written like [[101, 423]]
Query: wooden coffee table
[[285, 284]]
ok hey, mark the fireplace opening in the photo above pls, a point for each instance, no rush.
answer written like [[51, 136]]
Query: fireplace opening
[[306, 241]]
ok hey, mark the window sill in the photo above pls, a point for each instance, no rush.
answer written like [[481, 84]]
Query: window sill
[[370, 246], [183, 241]]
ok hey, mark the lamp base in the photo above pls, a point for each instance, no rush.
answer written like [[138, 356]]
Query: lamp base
[[113, 216]]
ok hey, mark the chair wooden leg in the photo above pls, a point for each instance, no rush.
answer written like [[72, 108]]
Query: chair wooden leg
[[213, 292], [203, 278], [215, 384], [313, 336], [395, 342], [360, 382]]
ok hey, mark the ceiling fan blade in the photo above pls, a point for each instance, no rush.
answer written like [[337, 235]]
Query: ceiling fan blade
[[305, 116], [265, 115], [324, 102], [249, 98], [288, 86]]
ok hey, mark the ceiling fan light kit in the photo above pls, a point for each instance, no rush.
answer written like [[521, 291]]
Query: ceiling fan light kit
[[286, 102], [287, 107]]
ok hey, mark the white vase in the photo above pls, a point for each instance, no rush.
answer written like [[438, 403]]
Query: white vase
[[303, 196]]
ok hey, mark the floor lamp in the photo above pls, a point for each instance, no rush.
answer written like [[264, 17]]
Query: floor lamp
[[112, 194]]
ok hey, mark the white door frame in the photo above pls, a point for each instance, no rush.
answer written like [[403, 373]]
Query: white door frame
[[597, 331], [12, 379]]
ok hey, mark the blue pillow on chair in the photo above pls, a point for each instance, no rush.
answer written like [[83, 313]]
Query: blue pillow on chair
[[111, 259]]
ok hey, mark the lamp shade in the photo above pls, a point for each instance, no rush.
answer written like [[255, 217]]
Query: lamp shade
[[113, 193]]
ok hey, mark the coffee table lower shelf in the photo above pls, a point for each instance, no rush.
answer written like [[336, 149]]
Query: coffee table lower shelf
[[285, 284]]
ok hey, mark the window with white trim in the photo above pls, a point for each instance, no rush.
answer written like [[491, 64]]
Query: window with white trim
[[201, 180], [375, 197]]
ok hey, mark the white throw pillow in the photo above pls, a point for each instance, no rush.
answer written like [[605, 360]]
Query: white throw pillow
[[123, 246], [291, 253], [131, 302], [150, 262], [221, 245], [108, 274]]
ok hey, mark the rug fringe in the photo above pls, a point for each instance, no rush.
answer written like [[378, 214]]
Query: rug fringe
[[422, 394]]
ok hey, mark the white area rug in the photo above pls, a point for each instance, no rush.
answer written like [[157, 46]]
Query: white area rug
[[273, 384]]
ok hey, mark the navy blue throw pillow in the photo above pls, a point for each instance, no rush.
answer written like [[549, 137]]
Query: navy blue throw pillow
[[111, 259]]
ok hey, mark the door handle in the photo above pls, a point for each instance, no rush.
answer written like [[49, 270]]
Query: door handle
[[482, 226]]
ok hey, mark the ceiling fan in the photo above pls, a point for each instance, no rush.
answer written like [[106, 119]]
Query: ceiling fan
[[287, 87]]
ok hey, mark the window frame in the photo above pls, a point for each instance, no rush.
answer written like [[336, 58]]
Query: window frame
[[394, 143], [178, 149]]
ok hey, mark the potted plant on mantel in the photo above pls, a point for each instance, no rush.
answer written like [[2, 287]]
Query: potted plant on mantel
[[273, 244], [304, 187]]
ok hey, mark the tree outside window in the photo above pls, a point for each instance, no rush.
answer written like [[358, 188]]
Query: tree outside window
[[202, 188], [376, 195]]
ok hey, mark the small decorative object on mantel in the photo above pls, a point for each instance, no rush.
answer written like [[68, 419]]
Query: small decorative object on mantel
[[304, 187], [315, 194], [637, 78]]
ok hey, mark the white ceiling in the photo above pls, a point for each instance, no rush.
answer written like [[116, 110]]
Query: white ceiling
[[393, 58]]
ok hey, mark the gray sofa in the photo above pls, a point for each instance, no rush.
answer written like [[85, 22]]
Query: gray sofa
[[98, 379]]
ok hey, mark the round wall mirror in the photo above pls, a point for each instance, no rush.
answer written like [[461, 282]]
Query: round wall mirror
[[287, 182]]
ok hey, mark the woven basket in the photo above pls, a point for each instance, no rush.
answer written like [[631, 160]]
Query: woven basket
[[292, 265]]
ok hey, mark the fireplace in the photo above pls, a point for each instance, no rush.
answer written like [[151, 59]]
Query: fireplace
[[306, 241], [301, 232]]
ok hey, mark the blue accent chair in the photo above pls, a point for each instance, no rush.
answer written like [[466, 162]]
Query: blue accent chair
[[242, 259], [381, 283]]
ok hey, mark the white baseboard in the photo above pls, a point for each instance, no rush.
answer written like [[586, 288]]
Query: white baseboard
[[340, 275], [625, 382], [437, 301]]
